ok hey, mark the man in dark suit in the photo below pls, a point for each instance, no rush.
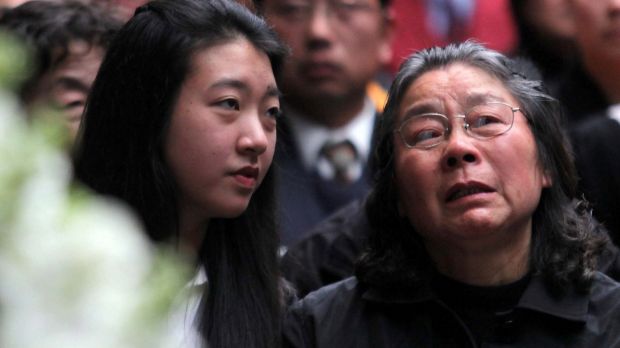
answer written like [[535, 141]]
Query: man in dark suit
[[325, 137], [595, 139]]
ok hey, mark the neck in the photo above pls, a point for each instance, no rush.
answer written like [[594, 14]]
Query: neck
[[492, 264], [606, 74], [330, 113], [192, 229]]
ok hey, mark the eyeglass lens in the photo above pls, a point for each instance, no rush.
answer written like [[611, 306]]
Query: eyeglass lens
[[482, 121]]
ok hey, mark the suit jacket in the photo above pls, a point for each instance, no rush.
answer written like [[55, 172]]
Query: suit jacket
[[597, 156], [304, 198]]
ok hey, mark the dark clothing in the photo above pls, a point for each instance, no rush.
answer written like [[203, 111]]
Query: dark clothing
[[328, 254], [596, 144], [350, 315], [580, 96], [483, 308], [304, 198]]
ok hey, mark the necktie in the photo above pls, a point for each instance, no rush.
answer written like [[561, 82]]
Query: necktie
[[340, 162]]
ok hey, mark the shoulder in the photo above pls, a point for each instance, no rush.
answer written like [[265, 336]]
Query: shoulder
[[603, 322], [325, 316], [595, 128], [329, 253], [329, 298], [605, 289]]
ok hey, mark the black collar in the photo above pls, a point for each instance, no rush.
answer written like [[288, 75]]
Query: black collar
[[572, 306]]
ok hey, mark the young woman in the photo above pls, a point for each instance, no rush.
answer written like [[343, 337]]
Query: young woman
[[180, 124]]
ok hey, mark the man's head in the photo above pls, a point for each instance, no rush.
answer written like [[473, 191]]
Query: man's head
[[598, 40], [68, 40], [338, 46]]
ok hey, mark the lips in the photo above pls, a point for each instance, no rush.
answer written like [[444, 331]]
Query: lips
[[247, 176], [466, 189], [318, 70]]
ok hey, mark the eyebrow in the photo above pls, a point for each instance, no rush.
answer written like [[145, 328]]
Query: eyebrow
[[480, 98], [470, 101], [420, 109], [272, 90]]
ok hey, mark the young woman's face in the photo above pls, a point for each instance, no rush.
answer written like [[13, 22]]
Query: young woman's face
[[223, 129]]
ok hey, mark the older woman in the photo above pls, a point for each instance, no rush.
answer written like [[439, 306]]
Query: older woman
[[476, 239]]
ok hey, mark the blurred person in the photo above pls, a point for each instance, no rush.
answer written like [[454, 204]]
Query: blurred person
[[426, 23], [595, 137], [11, 3], [338, 48], [546, 33], [181, 125], [68, 39], [477, 238], [592, 85]]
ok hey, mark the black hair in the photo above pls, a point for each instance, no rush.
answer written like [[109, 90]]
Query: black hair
[[49, 27], [565, 240], [120, 153]]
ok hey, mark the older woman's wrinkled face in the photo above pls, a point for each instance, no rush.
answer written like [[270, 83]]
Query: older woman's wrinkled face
[[466, 190]]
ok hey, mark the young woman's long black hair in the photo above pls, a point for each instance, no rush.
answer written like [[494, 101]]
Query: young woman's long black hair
[[120, 153]]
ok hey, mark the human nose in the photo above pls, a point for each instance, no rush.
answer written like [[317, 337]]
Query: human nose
[[460, 148], [254, 138], [319, 22]]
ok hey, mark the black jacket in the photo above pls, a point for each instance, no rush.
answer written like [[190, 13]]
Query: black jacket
[[596, 142], [331, 250], [347, 314]]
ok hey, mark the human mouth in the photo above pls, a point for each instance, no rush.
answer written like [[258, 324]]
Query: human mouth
[[461, 190], [320, 70], [247, 176]]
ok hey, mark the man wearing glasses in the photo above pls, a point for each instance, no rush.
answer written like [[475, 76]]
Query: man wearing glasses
[[337, 49]]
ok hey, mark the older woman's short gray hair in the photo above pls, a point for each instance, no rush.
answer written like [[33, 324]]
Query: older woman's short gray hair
[[564, 242]]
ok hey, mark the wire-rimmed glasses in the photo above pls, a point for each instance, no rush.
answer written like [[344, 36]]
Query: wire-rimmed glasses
[[483, 121]]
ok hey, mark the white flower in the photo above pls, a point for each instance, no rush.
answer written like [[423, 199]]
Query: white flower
[[76, 270]]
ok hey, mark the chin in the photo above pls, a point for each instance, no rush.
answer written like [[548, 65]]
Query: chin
[[232, 211]]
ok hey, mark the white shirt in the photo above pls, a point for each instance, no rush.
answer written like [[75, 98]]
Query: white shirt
[[614, 112], [310, 136], [183, 319]]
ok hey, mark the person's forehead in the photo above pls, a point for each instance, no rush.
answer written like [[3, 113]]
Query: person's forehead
[[462, 84], [457, 78]]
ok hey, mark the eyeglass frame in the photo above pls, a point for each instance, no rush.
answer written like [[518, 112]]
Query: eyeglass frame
[[449, 128]]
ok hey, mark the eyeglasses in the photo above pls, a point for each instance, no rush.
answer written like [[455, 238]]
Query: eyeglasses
[[483, 121], [343, 10]]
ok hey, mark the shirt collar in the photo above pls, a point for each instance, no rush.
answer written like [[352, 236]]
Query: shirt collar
[[310, 136], [614, 112], [571, 306]]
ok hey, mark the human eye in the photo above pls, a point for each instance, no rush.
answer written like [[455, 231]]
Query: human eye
[[228, 103], [274, 112], [74, 104], [484, 120], [491, 114], [490, 119], [423, 131]]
